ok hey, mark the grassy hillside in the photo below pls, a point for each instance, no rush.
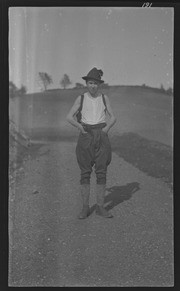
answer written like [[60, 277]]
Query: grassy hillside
[[142, 134], [137, 109]]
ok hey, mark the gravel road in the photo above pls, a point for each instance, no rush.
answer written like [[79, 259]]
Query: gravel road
[[49, 246]]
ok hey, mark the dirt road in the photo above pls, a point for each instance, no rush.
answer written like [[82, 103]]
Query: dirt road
[[49, 246]]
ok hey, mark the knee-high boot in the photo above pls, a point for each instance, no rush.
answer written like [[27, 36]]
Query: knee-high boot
[[100, 194], [85, 193]]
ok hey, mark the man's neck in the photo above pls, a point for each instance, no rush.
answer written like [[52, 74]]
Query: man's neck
[[93, 96]]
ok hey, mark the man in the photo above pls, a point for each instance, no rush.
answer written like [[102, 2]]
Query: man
[[93, 146]]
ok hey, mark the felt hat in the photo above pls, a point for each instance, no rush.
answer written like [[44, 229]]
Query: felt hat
[[94, 74]]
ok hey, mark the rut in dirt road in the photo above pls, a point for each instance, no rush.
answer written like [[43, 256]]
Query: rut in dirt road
[[49, 246]]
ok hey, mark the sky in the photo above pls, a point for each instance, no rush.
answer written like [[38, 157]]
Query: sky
[[132, 45]]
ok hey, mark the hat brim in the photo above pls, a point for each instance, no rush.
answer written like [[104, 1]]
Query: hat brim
[[89, 78]]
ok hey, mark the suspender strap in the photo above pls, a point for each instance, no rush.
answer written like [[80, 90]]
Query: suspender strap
[[104, 101], [80, 108], [82, 98]]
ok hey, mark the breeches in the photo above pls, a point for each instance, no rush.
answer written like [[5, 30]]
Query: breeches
[[93, 149]]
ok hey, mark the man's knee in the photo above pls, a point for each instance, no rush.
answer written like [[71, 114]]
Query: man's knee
[[85, 178], [84, 181], [101, 178]]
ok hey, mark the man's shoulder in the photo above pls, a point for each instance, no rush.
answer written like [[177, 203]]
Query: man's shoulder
[[78, 99], [105, 96], [82, 95]]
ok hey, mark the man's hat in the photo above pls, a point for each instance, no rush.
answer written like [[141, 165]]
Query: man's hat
[[94, 74]]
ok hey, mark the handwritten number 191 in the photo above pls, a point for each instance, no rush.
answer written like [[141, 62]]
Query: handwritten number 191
[[147, 4]]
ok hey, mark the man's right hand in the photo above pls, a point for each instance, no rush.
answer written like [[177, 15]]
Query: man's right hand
[[81, 128], [84, 132]]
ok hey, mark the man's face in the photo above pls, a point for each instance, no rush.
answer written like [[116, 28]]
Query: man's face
[[93, 87]]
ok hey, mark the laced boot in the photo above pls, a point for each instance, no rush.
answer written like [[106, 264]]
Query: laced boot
[[100, 210], [84, 212], [85, 192]]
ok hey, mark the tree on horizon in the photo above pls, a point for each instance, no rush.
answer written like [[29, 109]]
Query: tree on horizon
[[45, 80], [22, 90], [14, 91], [169, 91], [162, 88], [65, 81]]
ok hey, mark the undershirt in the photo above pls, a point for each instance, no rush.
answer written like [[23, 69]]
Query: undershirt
[[93, 109]]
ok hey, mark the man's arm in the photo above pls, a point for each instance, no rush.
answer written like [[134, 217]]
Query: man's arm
[[112, 119], [70, 117]]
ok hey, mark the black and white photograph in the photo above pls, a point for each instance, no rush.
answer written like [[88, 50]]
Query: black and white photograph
[[91, 95]]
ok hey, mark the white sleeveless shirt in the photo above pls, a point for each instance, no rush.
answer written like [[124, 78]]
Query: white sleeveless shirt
[[93, 109]]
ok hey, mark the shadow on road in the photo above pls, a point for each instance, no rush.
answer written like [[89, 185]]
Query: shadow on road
[[118, 194], [149, 156]]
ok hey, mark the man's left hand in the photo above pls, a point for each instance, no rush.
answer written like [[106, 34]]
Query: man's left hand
[[105, 129]]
